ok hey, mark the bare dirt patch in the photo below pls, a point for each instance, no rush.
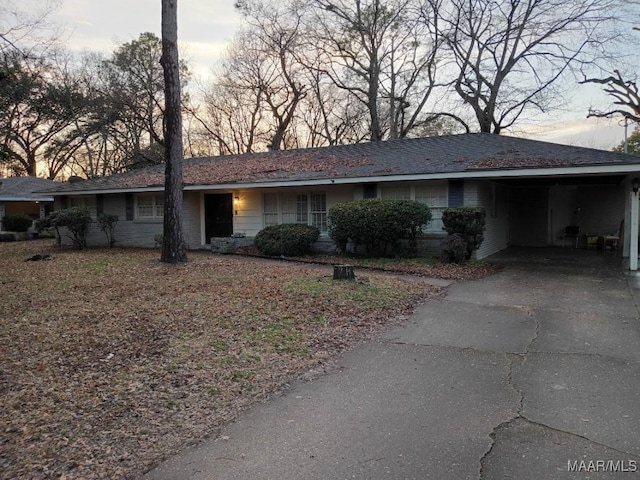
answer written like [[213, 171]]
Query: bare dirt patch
[[111, 361]]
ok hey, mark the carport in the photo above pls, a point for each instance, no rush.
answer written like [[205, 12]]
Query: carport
[[540, 209], [602, 200]]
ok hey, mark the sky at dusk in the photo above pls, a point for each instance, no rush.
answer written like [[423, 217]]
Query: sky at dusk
[[206, 27]]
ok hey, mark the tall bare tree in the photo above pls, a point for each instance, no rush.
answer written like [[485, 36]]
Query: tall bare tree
[[173, 246], [330, 116], [626, 99], [384, 54], [134, 79], [24, 26], [232, 115], [41, 104], [255, 101], [511, 54]]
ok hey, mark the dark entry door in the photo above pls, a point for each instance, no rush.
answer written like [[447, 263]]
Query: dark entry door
[[218, 215]]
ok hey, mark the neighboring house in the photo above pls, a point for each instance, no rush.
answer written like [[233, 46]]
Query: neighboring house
[[19, 195], [531, 190]]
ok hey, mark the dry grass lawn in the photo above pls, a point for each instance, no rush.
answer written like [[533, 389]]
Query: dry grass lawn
[[110, 361]]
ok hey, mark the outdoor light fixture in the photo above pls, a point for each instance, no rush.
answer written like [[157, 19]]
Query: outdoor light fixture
[[236, 202], [635, 185]]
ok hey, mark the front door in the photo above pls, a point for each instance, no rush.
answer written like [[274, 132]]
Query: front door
[[218, 215]]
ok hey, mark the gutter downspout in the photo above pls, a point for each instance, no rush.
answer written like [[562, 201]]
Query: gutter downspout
[[633, 240]]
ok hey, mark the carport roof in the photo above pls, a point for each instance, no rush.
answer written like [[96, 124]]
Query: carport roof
[[473, 155], [22, 189]]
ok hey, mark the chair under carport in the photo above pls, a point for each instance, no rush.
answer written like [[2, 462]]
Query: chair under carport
[[614, 241], [571, 232]]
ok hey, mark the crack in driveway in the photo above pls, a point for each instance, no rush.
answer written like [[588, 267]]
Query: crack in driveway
[[557, 341]]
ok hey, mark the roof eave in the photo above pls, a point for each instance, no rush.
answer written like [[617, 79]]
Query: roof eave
[[25, 199], [98, 191], [473, 174], [467, 174]]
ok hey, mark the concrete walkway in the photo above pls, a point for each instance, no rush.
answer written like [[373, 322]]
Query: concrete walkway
[[529, 374]]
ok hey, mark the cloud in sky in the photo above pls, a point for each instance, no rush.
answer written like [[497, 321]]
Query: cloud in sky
[[599, 133], [205, 27]]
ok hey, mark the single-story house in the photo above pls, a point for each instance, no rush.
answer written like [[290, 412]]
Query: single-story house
[[531, 190], [20, 195]]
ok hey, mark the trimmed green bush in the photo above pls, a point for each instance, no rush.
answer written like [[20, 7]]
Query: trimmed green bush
[[288, 239], [377, 224], [107, 223], [77, 221], [453, 249], [469, 223], [18, 222], [47, 225]]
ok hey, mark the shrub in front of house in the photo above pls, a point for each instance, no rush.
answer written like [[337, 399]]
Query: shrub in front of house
[[75, 219], [288, 239], [377, 224], [467, 222], [48, 225], [107, 222], [18, 222], [453, 249]]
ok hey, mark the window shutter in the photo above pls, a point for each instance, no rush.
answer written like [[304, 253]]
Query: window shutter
[[64, 202], [128, 202], [369, 190], [99, 204], [456, 193]]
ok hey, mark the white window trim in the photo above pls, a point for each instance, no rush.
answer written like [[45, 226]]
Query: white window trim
[[154, 216], [431, 228], [280, 204]]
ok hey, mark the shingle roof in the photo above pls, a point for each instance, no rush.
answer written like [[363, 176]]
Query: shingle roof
[[21, 189], [473, 152]]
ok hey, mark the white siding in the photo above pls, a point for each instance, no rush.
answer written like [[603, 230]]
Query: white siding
[[191, 219], [342, 193], [128, 233], [471, 193], [247, 217], [494, 198], [601, 209], [563, 204]]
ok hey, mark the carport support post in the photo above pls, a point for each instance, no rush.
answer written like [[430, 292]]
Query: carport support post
[[633, 241]]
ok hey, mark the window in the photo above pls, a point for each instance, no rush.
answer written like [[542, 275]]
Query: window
[[299, 207], [396, 193], [79, 202], [295, 208], [319, 211], [84, 201], [270, 209], [149, 207], [434, 195]]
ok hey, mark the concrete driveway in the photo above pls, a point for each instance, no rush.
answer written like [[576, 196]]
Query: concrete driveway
[[530, 374]]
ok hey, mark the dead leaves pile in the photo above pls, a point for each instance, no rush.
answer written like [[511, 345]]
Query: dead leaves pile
[[111, 361], [423, 267], [249, 168]]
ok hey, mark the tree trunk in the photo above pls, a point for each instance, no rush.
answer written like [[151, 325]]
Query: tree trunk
[[173, 247], [343, 272]]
